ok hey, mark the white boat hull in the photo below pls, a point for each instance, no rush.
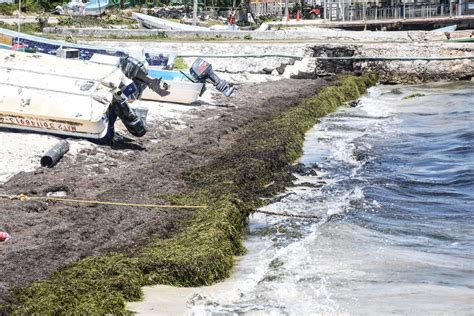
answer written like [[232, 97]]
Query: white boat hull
[[95, 8], [180, 92], [157, 23], [180, 88], [48, 46], [47, 94], [95, 130]]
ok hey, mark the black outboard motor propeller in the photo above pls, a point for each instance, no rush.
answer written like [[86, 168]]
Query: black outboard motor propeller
[[201, 71]]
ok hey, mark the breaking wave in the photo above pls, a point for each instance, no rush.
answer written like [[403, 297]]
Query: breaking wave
[[392, 193]]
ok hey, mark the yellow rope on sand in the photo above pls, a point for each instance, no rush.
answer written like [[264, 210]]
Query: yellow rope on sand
[[24, 197]]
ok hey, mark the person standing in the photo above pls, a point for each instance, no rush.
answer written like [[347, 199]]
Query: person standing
[[231, 19]]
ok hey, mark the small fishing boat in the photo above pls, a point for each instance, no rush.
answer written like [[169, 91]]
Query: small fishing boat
[[51, 47], [181, 89], [157, 23], [93, 7], [53, 95]]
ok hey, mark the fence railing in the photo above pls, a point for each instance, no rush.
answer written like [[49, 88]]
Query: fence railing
[[338, 12], [345, 12], [267, 9]]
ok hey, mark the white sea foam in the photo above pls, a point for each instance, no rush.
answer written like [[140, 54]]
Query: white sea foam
[[369, 266]]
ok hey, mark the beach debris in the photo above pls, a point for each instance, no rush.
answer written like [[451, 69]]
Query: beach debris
[[185, 14], [58, 10], [173, 12], [52, 156], [4, 236], [264, 27], [414, 95], [303, 170]]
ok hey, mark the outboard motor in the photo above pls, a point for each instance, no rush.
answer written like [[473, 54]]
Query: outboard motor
[[137, 71], [201, 71], [135, 124], [119, 107]]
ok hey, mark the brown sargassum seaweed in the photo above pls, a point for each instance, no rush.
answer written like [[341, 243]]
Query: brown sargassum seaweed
[[231, 185]]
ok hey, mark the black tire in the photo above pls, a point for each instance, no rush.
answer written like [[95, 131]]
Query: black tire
[[313, 16]]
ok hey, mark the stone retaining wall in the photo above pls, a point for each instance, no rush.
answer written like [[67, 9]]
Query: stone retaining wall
[[300, 60], [307, 65], [317, 34], [399, 71]]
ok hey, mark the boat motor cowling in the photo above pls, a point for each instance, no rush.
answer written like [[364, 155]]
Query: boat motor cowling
[[137, 71], [202, 71]]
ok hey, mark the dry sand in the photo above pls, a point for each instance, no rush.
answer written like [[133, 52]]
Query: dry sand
[[22, 151]]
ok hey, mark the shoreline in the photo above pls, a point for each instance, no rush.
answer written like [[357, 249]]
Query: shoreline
[[167, 261]]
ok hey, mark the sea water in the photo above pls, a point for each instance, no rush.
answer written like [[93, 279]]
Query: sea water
[[393, 200]]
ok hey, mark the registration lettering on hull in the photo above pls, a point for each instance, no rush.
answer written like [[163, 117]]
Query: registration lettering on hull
[[33, 122]]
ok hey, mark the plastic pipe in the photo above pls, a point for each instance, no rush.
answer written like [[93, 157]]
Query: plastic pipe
[[54, 154]]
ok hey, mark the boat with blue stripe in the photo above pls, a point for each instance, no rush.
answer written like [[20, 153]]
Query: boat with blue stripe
[[48, 46]]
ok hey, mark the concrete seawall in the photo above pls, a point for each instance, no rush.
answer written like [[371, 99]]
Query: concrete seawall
[[303, 60], [315, 34]]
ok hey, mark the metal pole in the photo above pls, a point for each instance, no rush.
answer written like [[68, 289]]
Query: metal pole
[[195, 10], [286, 10], [325, 9], [343, 10], [365, 15], [376, 11], [19, 21], [404, 9]]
